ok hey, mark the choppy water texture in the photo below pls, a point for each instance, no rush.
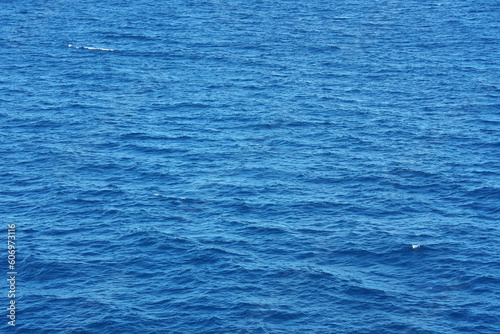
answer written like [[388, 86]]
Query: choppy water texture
[[252, 166]]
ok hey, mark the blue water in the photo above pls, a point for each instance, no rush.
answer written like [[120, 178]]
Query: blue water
[[251, 166]]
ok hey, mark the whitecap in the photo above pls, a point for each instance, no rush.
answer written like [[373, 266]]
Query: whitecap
[[89, 48], [171, 197]]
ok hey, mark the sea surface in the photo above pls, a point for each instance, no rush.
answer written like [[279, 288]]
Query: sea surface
[[209, 166]]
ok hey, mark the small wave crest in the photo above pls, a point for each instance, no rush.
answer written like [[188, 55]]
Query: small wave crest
[[89, 48]]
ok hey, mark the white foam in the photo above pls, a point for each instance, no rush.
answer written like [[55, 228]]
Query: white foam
[[276, 74], [171, 197], [89, 48]]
